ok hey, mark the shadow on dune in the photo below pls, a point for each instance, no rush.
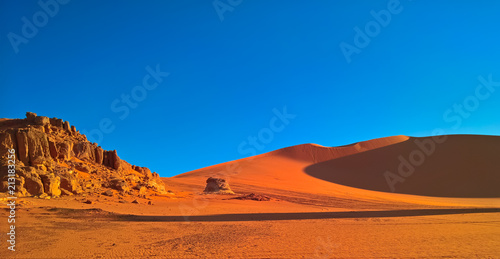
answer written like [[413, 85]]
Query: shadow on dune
[[306, 215], [464, 166]]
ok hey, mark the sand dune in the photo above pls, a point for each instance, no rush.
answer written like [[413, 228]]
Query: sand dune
[[314, 153], [460, 167]]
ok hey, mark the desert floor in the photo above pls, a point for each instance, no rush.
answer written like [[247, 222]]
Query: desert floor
[[214, 226]]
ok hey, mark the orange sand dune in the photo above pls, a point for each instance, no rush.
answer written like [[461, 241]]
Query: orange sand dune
[[461, 167]]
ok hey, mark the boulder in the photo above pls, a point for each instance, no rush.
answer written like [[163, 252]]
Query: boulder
[[82, 167], [156, 185], [56, 122], [66, 192], [51, 184], [119, 185], [217, 185], [32, 181], [70, 183], [108, 193], [30, 117], [41, 120]]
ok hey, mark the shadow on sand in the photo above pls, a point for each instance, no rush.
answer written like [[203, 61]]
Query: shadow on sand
[[463, 166], [306, 215]]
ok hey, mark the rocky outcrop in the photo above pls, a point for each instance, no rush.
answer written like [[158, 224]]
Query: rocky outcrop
[[53, 158], [51, 184], [31, 145], [111, 159], [253, 197], [217, 185], [70, 183], [32, 181]]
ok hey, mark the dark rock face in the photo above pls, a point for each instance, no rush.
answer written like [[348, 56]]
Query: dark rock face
[[217, 185], [99, 155], [111, 159], [56, 122], [53, 158], [31, 144]]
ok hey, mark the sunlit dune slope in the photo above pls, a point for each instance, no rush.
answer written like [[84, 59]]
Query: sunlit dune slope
[[313, 153], [462, 166]]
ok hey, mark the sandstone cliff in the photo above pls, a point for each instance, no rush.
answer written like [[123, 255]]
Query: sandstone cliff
[[53, 158]]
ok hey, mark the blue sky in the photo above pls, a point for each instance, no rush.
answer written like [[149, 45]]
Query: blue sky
[[234, 66]]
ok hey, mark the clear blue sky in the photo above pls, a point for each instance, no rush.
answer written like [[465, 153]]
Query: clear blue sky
[[231, 65]]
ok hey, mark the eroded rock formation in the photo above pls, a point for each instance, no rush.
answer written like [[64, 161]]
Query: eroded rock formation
[[53, 158], [217, 185]]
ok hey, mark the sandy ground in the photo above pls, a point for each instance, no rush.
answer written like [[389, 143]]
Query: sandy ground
[[221, 228], [309, 216]]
